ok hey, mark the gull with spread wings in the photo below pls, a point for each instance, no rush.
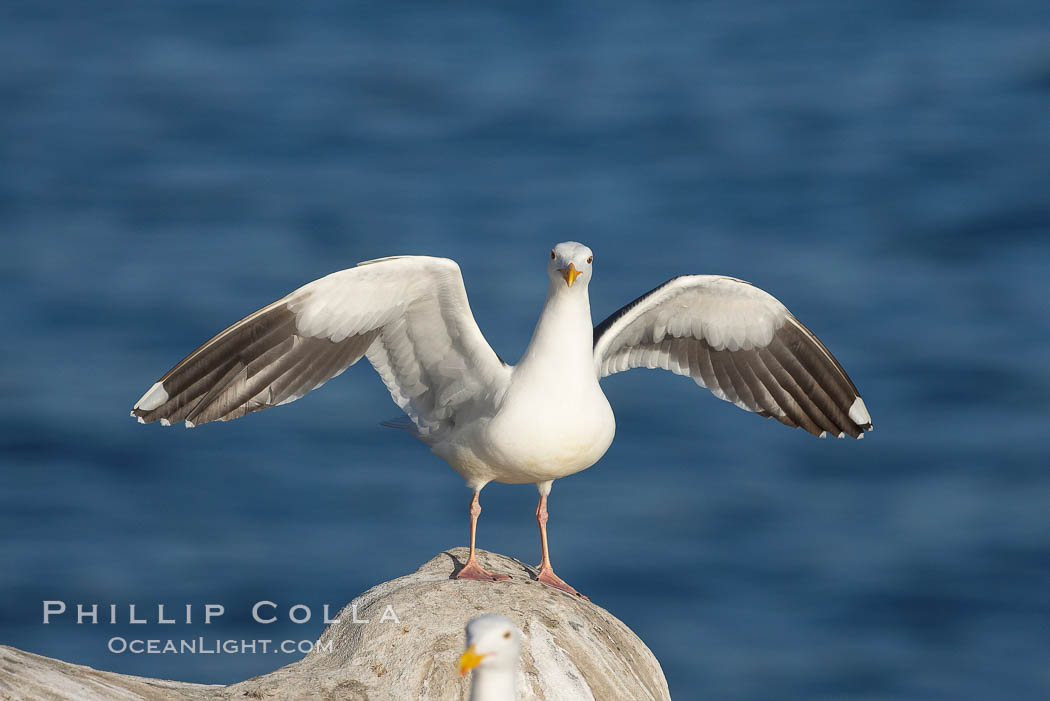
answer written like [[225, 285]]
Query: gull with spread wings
[[533, 422]]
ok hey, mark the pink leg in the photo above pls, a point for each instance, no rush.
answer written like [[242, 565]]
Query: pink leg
[[472, 570], [546, 573]]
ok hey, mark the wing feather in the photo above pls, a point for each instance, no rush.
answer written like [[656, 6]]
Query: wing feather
[[739, 342], [408, 315]]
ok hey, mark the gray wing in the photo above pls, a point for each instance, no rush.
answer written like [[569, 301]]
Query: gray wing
[[409, 315], [739, 342]]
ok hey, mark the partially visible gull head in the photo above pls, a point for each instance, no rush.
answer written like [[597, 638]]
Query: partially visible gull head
[[570, 263], [493, 645]]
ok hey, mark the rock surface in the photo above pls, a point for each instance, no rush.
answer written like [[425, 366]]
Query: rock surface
[[571, 649]]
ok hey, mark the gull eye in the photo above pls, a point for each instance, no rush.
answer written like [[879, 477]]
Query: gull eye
[[552, 254], [507, 635], [589, 259]]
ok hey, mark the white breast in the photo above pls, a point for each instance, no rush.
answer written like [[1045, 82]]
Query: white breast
[[553, 420], [543, 433]]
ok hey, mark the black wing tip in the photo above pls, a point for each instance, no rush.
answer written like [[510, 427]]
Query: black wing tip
[[147, 408], [843, 434], [149, 417], [861, 420], [858, 414], [150, 408]]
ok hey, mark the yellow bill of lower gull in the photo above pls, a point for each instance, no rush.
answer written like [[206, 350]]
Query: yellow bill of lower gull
[[493, 648]]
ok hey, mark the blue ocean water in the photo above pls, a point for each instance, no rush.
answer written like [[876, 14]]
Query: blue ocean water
[[881, 167]]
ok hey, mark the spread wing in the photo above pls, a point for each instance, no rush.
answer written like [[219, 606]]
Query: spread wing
[[409, 315], [739, 342]]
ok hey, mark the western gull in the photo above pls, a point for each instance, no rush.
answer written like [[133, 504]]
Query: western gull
[[493, 648], [533, 422]]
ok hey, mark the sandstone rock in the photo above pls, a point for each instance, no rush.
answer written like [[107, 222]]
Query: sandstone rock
[[28, 677], [407, 649]]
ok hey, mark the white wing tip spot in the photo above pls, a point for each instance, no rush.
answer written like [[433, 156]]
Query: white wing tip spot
[[823, 434], [153, 398], [858, 413], [165, 422], [190, 424]]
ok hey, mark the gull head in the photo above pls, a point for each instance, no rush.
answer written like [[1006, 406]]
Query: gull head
[[493, 643], [570, 264]]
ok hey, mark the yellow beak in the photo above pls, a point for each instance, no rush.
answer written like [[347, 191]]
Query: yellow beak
[[570, 274], [469, 660]]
